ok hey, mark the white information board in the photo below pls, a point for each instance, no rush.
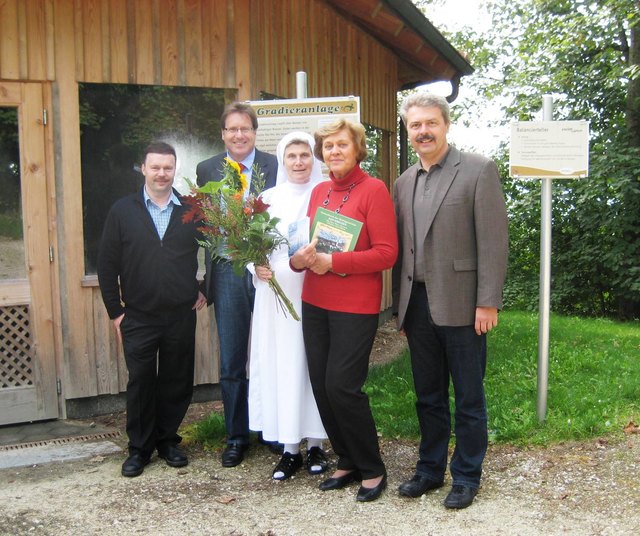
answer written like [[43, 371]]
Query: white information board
[[550, 149], [279, 117]]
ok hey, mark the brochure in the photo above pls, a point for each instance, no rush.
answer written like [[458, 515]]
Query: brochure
[[298, 235], [334, 231]]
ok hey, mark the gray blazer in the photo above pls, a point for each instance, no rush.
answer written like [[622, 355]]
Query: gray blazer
[[465, 240], [211, 170]]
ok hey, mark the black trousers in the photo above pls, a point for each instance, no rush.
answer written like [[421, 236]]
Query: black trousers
[[441, 355], [338, 347], [160, 361]]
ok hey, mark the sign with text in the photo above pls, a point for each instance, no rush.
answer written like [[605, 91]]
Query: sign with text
[[549, 149], [279, 117]]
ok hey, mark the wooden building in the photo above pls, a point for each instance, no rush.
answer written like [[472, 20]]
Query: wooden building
[[58, 354]]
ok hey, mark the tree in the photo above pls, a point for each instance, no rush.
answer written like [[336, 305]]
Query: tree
[[587, 54]]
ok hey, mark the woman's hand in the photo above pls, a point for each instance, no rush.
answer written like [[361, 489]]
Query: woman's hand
[[305, 256], [264, 273], [322, 264]]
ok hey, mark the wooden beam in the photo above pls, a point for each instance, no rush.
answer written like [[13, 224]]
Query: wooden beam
[[9, 44]]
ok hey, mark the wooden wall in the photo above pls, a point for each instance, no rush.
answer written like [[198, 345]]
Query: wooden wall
[[247, 46], [338, 57]]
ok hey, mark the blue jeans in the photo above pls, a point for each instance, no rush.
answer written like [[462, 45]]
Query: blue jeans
[[233, 301], [437, 353]]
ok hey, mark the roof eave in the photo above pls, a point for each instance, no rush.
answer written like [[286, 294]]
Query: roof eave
[[415, 19]]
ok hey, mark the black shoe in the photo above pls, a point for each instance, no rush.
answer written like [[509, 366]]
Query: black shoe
[[233, 455], [273, 446], [173, 455], [460, 497], [316, 461], [341, 481], [288, 464], [371, 494], [134, 465], [418, 485]]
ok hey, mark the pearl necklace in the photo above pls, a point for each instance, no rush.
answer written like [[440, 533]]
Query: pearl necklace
[[344, 199]]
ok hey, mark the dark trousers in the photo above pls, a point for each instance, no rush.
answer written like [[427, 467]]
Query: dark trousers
[[338, 347], [160, 361], [233, 298], [437, 353]]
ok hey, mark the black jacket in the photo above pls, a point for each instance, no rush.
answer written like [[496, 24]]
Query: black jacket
[[153, 278]]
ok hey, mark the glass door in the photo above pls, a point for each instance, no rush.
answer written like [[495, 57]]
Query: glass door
[[28, 387]]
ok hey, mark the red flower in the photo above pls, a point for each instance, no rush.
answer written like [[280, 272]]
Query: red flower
[[259, 206], [194, 212]]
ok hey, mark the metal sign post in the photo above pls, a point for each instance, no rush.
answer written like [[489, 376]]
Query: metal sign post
[[546, 150], [301, 85], [544, 304]]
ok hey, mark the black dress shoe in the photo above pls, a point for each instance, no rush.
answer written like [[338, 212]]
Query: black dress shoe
[[316, 461], [371, 494], [418, 485], [460, 497], [134, 465], [173, 455], [340, 481], [273, 446], [288, 464], [233, 455]]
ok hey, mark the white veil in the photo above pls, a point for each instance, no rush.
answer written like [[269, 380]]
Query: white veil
[[316, 170]]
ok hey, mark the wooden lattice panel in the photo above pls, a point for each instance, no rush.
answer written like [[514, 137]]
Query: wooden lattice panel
[[16, 354]]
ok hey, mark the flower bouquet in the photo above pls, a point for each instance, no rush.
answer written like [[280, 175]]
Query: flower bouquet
[[237, 227]]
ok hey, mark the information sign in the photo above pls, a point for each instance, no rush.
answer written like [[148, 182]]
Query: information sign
[[550, 149], [279, 117]]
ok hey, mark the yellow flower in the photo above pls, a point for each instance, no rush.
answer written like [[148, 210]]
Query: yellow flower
[[234, 176], [234, 165]]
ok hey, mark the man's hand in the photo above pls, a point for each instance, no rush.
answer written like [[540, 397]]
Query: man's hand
[[486, 319], [116, 324], [201, 301]]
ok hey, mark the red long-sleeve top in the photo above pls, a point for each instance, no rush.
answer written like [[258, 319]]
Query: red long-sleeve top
[[360, 290]]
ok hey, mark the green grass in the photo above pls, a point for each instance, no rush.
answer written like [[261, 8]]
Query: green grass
[[209, 432], [594, 384]]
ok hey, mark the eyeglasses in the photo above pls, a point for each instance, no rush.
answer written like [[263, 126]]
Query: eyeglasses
[[243, 130]]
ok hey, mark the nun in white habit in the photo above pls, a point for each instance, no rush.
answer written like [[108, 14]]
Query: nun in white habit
[[281, 402]]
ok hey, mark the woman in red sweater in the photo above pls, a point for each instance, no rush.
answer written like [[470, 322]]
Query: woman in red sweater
[[340, 306]]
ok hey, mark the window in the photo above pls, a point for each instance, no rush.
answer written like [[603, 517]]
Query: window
[[12, 261], [117, 122]]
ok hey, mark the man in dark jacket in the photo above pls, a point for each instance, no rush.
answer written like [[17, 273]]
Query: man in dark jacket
[[147, 267], [232, 295]]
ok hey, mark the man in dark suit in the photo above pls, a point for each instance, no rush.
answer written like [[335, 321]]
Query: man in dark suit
[[147, 267], [232, 295], [452, 226]]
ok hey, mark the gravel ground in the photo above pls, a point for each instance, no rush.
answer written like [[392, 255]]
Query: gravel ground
[[579, 488], [582, 488]]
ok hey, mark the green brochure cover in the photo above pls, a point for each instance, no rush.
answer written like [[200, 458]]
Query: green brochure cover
[[334, 231]]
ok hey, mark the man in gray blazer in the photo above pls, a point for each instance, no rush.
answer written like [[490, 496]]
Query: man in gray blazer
[[232, 295], [452, 227]]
